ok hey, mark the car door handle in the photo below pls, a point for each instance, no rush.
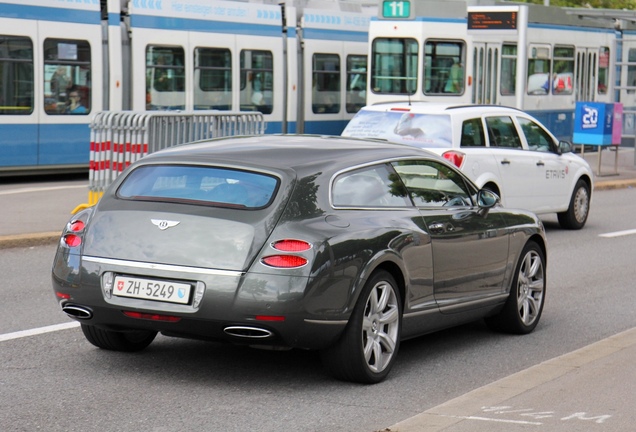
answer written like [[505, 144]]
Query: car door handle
[[440, 228], [505, 162], [540, 163]]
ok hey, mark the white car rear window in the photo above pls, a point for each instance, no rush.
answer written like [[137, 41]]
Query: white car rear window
[[421, 130]]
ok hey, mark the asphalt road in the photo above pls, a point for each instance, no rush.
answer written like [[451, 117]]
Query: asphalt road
[[56, 381]]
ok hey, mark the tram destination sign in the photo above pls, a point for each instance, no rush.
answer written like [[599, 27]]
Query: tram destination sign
[[492, 20], [396, 9]]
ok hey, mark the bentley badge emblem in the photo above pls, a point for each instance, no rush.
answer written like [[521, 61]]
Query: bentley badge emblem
[[164, 224]]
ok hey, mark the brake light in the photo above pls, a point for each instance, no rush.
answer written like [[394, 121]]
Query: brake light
[[284, 261], [287, 261], [401, 109], [454, 157], [62, 296], [291, 245], [152, 317], [76, 226], [72, 240]]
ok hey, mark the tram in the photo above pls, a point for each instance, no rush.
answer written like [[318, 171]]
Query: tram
[[303, 65], [536, 58]]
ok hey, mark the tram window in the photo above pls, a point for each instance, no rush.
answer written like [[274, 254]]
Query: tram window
[[539, 82], [67, 76], [257, 81], [213, 78], [16, 70], [356, 83], [502, 132], [165, 79], [325, 92], [444, 70], [394, 66], [631, 71], [603, 69], [508, 70], [563, 70]]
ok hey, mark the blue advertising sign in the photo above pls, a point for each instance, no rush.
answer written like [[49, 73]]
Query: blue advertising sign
[[596, 123]]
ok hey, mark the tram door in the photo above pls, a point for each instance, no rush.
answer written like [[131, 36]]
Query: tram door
[[585, 74], [486, 60]]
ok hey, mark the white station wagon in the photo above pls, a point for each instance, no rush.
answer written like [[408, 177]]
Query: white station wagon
[[501, 149]]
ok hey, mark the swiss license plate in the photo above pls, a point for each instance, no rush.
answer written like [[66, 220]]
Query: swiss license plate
[[148, 289]]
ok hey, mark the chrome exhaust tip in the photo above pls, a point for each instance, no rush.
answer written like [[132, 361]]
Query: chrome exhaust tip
[[77, 312], [248, 332]]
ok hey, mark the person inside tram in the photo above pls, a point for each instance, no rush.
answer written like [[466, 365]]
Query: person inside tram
[[60, 81], [75, 102], [454, 83]]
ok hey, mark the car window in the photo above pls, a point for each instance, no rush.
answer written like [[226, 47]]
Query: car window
[[472, 133], [420, 130], [432, 184], [199, 185], [374, 186], [502, 132], [536, 137]]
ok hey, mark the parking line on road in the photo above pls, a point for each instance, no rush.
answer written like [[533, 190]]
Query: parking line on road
[[618, 233], [37, 331]]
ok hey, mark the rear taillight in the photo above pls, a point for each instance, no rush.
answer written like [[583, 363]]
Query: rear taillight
[[72, 240], [284, 260], [454, 157], [291, 245], [74, 228]]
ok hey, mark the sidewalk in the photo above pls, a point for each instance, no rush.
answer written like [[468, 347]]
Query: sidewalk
[[590, 389], [616, 170]]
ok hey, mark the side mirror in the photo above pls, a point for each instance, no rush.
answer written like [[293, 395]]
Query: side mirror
[[487, 199], [565, 147]]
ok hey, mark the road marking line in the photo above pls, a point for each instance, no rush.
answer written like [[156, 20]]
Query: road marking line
[[618, 233], [41, 189], [38, 331], [523, 422]]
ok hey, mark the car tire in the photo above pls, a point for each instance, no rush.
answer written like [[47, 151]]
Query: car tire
[[523, 308], [129, 341], [576, 215], [366, 351]]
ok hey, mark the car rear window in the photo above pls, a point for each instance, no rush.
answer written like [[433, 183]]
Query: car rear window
[[421, 130], [199, 185]]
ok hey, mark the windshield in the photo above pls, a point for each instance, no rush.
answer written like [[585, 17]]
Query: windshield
[[420, 130]]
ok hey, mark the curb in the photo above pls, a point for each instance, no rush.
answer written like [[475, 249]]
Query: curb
[[614, 184], [29, 240]]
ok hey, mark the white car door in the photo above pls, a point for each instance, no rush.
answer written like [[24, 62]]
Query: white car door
[[518, 167], [552, 189]]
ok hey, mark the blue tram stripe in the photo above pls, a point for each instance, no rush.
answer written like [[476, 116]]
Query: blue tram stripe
[[51, 13], [165, 23], [44, 144]]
